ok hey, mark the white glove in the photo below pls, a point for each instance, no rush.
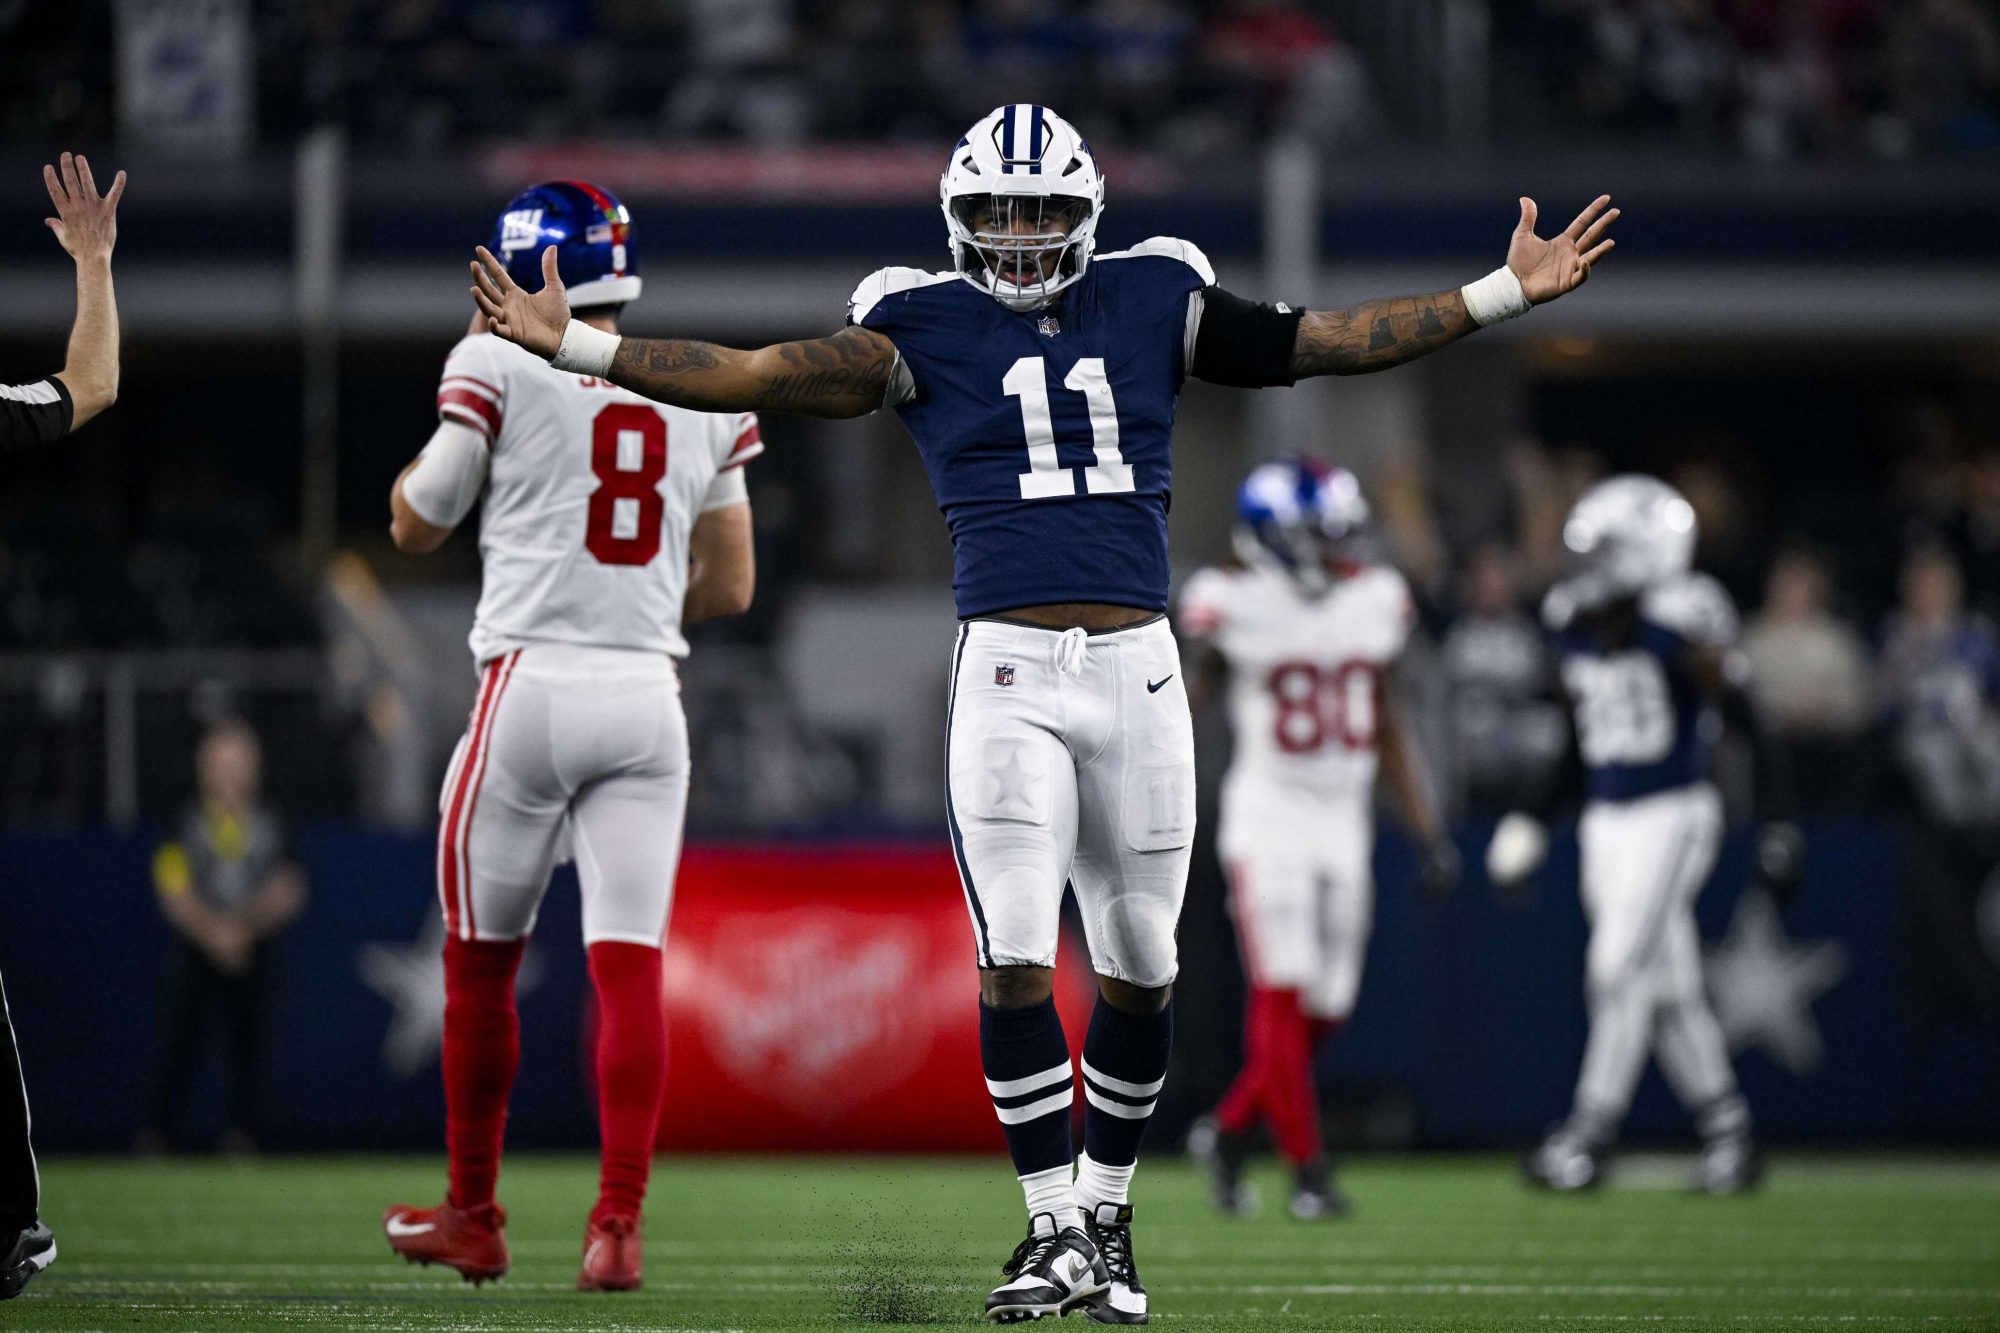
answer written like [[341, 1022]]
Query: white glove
[[1519, 845]]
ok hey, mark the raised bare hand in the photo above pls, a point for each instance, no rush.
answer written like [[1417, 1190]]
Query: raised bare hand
[[86, 222], [1562, 263], [534, 320]]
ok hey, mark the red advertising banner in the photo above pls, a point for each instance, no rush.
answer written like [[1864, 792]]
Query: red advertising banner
[[825, 999]]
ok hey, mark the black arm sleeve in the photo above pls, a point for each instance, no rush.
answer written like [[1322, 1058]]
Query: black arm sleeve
[[1243, 344], [31, 414]]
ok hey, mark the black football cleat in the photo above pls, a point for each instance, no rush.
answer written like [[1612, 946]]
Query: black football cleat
[[1314, 1195], [1109, 1225], [1729, 1164], [1221, 1156], [1051, 1273], [1567, 1162], [32, 1250]]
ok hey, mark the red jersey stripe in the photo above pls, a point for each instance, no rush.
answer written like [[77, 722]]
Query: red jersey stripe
[[471, 402]]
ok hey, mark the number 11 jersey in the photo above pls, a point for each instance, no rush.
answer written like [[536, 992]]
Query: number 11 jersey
[[591, 493], [1047, 433]]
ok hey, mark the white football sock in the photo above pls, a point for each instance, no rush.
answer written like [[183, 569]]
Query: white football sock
[[1051, 1192], [1097, 1183]]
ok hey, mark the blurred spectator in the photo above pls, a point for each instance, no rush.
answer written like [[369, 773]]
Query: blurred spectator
[[1937, 680], [1940, 677], [228, 885], [1543, 483], [1809, 678], [1944, 75], [1509, 735], [1974, 530], [1287, 72], [745, 81], [1021, 51], [1141, 52], [1809, 668]]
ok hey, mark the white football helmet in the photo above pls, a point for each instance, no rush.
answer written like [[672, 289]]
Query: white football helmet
[[1626, 534], [1021, 199]]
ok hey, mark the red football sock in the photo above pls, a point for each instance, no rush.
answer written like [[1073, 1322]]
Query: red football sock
[[482, 1049], [631, 1070], [1277, 1078], [1291, 1100]]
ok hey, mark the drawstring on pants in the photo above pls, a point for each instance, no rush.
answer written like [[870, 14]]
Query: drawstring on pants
[[1070, 649]]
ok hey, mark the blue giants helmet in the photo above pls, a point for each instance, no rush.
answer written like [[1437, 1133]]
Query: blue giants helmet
[[1305, 518], [592, 234]]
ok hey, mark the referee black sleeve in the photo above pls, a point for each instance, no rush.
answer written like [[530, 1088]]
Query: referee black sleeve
[[1242, 343], [31, 414]]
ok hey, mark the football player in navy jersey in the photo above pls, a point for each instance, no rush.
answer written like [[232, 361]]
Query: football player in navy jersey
[[1646, 648], [1038, 378]]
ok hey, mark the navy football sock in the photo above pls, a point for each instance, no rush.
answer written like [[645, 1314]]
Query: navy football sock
[[1124, 1068], [1026, 1060]]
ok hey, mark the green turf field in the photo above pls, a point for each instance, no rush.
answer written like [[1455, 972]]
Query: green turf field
[[1438, 1243]]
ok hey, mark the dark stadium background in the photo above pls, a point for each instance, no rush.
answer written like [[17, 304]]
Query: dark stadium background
[[1801, 326]]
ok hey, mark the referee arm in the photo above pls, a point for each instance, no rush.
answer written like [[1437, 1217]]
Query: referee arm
[[86, 223]]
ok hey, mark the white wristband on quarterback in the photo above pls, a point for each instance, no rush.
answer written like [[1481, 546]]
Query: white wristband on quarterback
[[1495, 297], [585, 351]]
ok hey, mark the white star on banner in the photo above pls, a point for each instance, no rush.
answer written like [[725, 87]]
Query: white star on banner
[[411, 978], [1764, 984]]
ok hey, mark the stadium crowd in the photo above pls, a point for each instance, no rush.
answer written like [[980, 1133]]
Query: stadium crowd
[[1769, 78]]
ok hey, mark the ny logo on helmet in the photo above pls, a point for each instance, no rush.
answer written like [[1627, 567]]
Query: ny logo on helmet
[[520, 229]]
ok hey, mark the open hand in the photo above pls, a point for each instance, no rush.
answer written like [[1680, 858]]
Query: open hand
[[534, 320], [1562, 263], [86, 222]]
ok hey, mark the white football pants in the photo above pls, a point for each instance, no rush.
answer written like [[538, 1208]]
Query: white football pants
[[1644, 864], [1071, 761], [1300, 888], [567, 744]]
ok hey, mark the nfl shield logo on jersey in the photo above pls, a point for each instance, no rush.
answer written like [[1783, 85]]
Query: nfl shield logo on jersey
[[1003, 674], [1048, 325]]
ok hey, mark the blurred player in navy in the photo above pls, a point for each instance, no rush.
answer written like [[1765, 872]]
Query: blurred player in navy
[[1039, 381], [1646, 648], [1308, 632], [42, 412]]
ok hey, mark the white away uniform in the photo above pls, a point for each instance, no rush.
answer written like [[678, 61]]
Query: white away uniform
[[1297, 829], [590, 495]]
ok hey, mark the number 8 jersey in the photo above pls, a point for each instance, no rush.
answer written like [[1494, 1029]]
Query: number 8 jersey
[[590, 495], [1047, 433]]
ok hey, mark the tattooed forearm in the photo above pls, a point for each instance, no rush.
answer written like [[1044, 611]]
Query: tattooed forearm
[[670, 370], [841, 376], [842, 370], [1378, 334]]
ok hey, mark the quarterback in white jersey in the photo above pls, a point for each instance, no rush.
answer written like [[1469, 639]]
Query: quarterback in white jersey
[[610, 522], [1309, 631]]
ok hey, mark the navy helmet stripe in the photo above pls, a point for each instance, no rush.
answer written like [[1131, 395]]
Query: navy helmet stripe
[[1035, 135], [1007, 139]]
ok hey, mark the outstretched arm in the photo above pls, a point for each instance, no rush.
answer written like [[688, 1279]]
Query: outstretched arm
[[1378, 334], [86, 223], [846, 375]]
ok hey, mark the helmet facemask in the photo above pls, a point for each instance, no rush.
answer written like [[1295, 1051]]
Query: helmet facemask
[[1020, 249]]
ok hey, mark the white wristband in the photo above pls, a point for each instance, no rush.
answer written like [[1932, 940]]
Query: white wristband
[[1495, 297], [584, 350]]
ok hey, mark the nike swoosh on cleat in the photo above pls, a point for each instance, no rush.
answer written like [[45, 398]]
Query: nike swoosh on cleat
[[1153, 687], [397, 1227]]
